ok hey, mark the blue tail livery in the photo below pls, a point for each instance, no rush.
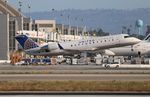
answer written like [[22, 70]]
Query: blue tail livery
[[26, 42]]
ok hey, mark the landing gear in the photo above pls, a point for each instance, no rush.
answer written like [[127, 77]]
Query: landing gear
[[77, 56], [139, 54]]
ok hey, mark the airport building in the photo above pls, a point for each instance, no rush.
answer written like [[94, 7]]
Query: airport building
[[13, 22], [67, 32]]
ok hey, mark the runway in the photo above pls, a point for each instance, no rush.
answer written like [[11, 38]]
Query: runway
[[69, 69], [76, 77], [72, 72]]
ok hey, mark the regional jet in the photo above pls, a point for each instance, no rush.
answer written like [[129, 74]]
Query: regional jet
[[138, 49], [75, 46]]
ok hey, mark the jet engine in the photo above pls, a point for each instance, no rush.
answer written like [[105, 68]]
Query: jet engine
[[110, 53], [52, 46]]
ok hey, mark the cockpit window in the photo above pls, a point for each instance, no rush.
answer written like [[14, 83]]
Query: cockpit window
[[126, 36]]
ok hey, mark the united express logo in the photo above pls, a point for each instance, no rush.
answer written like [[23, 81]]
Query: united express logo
[[30, 44]]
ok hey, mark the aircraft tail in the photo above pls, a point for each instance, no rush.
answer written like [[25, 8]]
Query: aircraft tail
[[26, 42]]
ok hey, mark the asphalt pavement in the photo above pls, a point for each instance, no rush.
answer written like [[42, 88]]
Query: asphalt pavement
[[76, 77]]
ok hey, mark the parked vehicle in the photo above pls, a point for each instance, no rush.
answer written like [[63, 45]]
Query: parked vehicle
[[112, 65]]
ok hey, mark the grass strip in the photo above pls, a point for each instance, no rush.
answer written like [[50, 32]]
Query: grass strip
[[74, 86]]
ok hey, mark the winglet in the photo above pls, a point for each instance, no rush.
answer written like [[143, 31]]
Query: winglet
[[147, 38]]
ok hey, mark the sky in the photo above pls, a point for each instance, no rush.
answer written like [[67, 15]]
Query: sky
[[48, 5]]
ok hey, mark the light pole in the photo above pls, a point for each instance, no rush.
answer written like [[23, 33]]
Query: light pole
[[55, 20], [29, 7], [21, 18], [6, 1], [83, 27], [69, 25], [53, 13], [76, 31], [62, 28], [20, 5]]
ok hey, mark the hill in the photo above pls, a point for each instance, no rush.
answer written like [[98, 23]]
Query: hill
[[110, 20]]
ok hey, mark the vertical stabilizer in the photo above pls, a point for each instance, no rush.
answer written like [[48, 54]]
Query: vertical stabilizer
[[26, 42]]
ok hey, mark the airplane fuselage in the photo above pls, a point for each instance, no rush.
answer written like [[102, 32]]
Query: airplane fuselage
[[89, 44], [133, 50]]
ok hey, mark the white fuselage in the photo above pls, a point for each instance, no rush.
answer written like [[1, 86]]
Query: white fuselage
[[134, 50], [89, 44]]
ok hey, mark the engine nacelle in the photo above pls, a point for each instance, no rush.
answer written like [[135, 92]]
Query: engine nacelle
[[52, 46], [110, 53]]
